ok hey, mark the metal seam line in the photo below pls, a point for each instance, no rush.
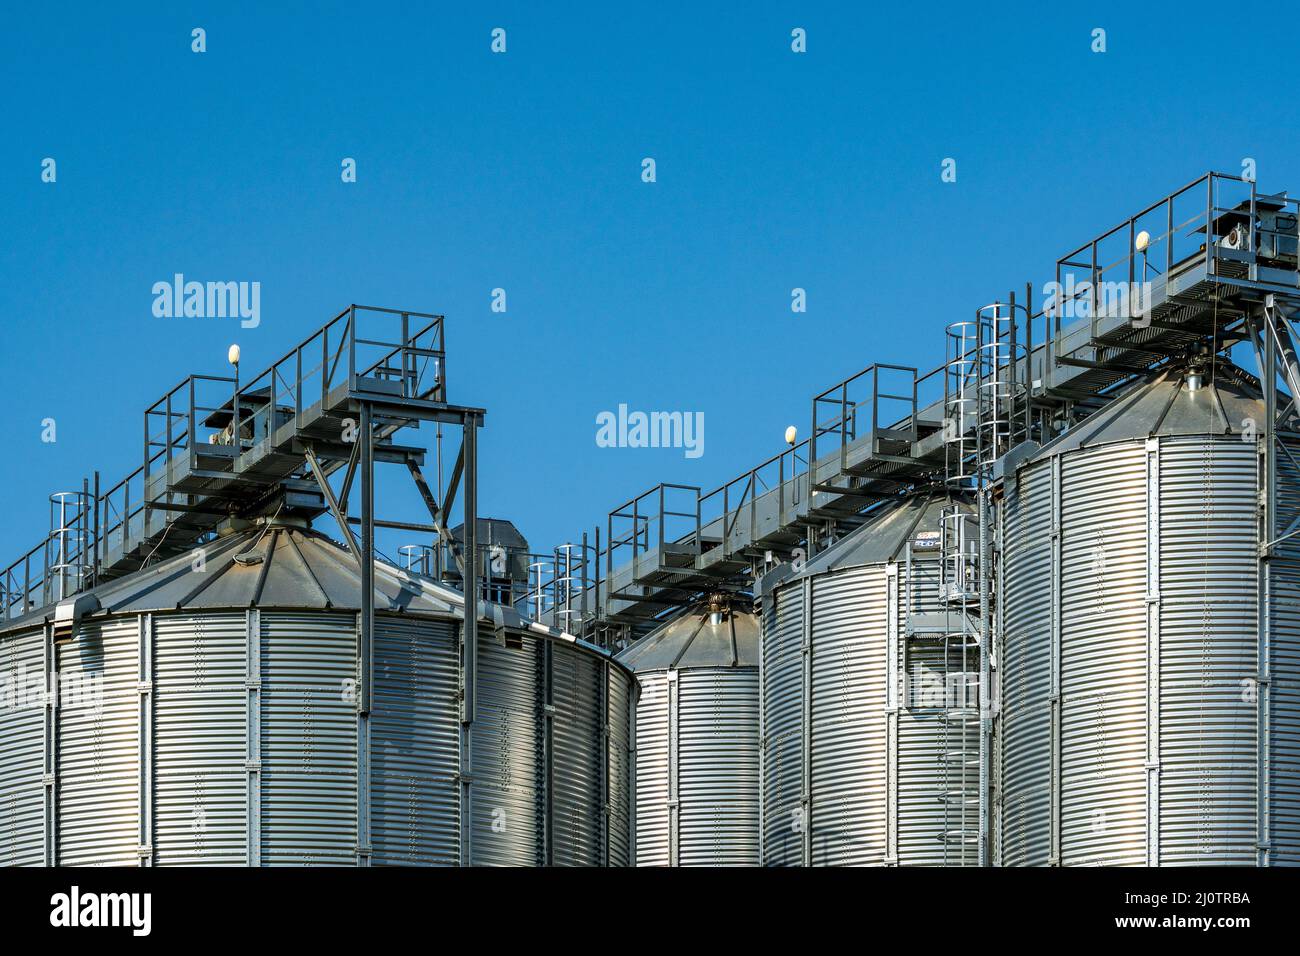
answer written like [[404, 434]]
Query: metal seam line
[[1153, 650], [144, 737]]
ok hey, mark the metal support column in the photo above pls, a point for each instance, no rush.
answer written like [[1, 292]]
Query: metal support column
[[985, 712], [365, 631], [469, 640], [893, 675], [1054, 669], [253, 734], [364, 848], [602, 715], [1153, 651], [806, 652], [548, 752], [366, 554], [672, 701], [144, 739], [50, 776], [1267, 439]]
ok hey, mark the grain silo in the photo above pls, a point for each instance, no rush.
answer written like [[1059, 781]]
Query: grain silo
[[697, 738], [870, 722], [208, 714], [1139, 618]]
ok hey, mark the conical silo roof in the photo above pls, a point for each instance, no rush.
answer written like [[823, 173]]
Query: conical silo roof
[[283, 565], [1221, 403], [699, 638], [885, 536]]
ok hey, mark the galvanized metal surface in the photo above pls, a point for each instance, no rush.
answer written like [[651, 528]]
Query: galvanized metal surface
[[22, 765], [854, 774], [414, 744], [781, 699], [697, 759], [1158, 573], [199, 750], [697, 767], [229, 736], [98, 749], [1282, 785]]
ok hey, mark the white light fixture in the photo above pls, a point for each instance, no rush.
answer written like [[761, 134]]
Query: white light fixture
[[1141, 241], [232, 355], [791, 433]]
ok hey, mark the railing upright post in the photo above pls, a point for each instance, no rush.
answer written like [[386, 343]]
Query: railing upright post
[[352, 348], [699, 544], [406, 355], [1169, 237], [1210, 265]]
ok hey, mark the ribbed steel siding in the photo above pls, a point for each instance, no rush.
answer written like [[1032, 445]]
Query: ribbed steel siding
[[781, 672], [621, 695], [309, 740], [1284, 690], [1024, 719], [1192, 701], [507, 784], [22, 761], [653, 818], [1103, 653], [199, 751], [189, 801], [415, 744], [98, 749], [717, 766], [848, 746], [1208, 652], [579, 764]]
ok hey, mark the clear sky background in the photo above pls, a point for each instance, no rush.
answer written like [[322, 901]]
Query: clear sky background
[[523, 171]]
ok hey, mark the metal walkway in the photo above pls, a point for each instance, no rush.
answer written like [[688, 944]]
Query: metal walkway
[[1146, 291], [216, 449]]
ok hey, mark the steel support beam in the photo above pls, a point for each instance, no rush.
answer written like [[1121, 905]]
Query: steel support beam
[[50, 775], [1054, 668], [366, 554], [333, 502], [253, 734], [893, 673], [144, 741], [806, 648], [469, 639], [1268, 442], [1153, 651]]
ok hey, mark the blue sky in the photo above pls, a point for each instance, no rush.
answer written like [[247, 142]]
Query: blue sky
[[522, 171]]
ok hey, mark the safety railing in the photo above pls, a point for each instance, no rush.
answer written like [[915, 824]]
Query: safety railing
[[656, 520], [785, 474], [60, 565], [397, 353], [363, 348], [860, 407], [1218, 227], [563, 586]]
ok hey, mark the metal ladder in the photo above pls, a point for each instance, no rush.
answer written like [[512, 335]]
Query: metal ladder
[[984, 416]]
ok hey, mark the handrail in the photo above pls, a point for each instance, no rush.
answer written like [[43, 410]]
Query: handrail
[[171, 423]]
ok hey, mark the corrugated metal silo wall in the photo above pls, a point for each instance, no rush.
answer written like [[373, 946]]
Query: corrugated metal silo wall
[[1131, 579], [1284, 691], [827, 727], [22, 759], [232, 738], [697, 767]]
